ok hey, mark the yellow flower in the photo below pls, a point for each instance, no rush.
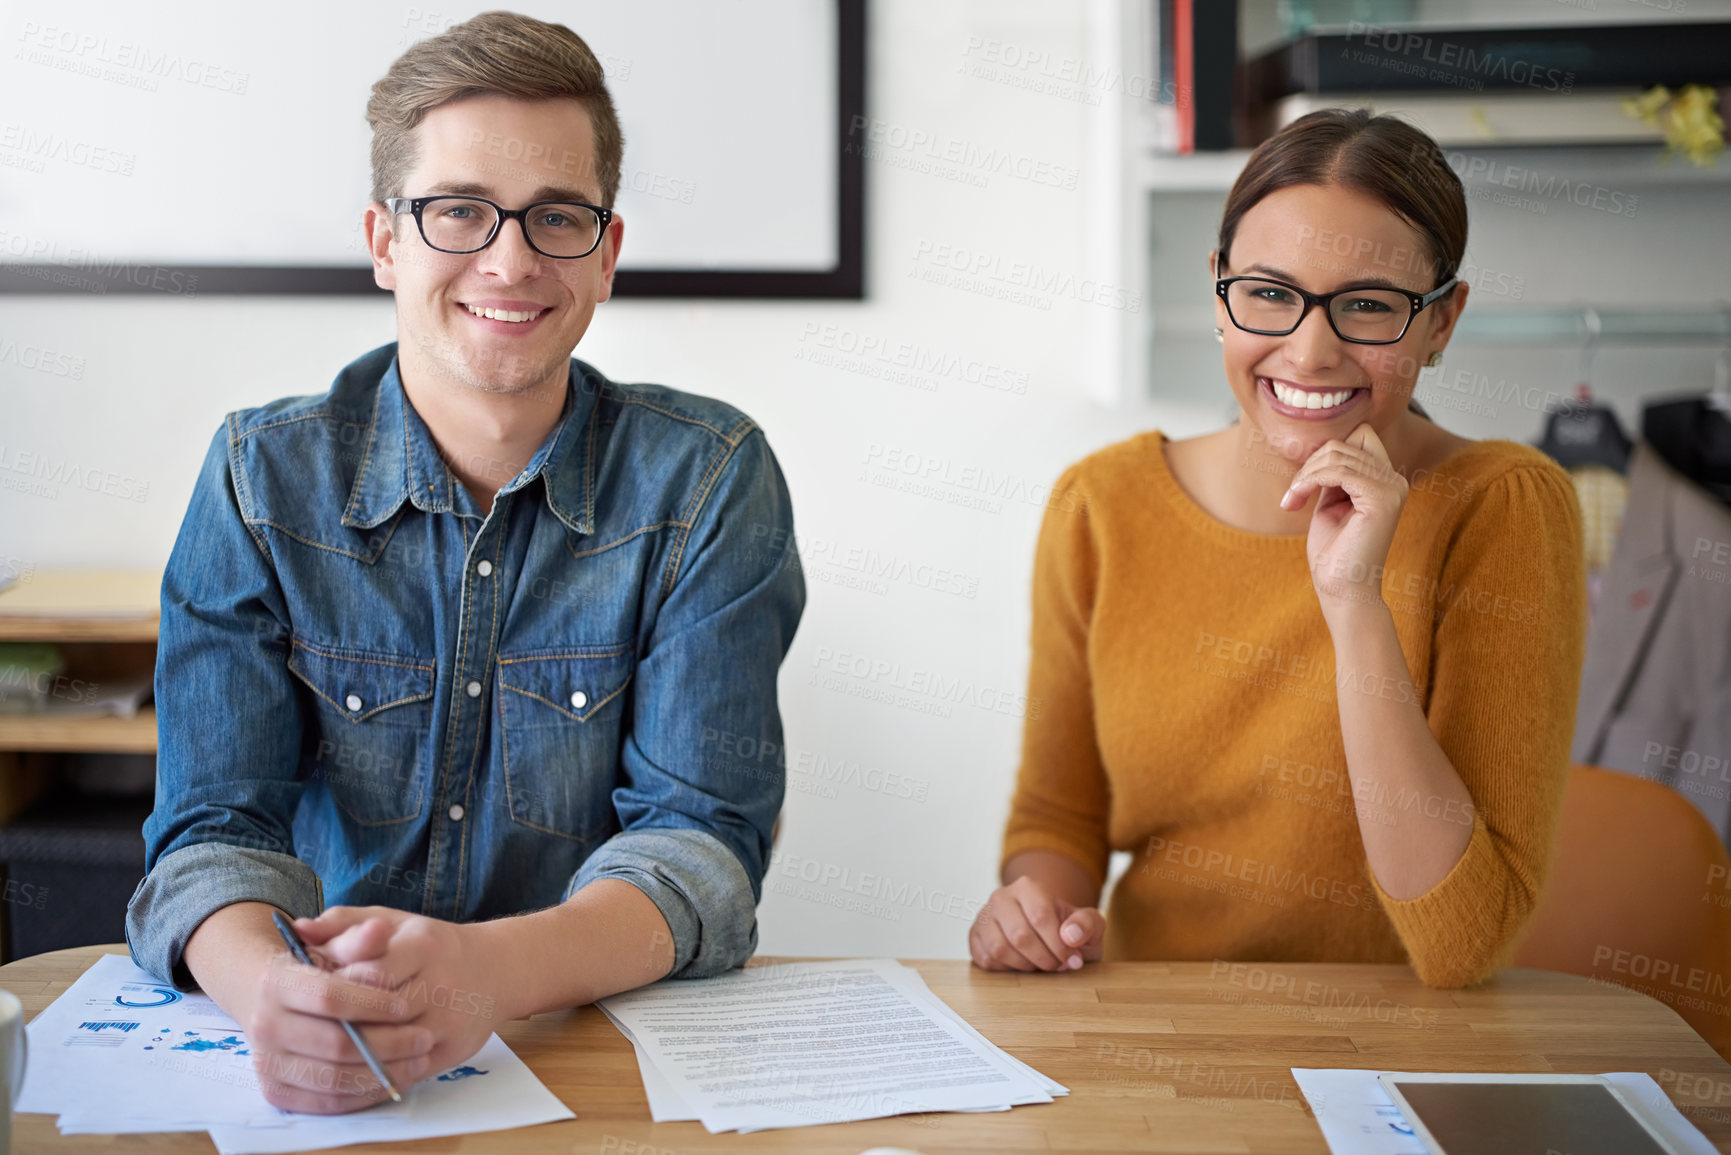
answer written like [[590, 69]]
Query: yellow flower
[[1646, 106], [1695, 126], [1690, 119]]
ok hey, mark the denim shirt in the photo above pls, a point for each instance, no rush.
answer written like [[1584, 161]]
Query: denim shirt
[[370, 692]]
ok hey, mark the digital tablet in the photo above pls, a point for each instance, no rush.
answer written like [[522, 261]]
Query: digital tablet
[[1523, 1115]]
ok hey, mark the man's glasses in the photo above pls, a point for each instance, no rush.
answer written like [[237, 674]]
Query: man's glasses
[[461, 224], [1364, 316]]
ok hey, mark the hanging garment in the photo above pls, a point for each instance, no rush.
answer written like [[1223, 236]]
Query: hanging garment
[[1656, 684], [1604, 495], [1583, 433], [1693, 435]]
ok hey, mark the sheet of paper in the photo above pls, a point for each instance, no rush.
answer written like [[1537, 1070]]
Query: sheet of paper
[[106, 1126], [491, 1091], [155, 1052], [1048, 1085], [804, 1043], [169, 1061], [665, 1105], [1358, 1118]]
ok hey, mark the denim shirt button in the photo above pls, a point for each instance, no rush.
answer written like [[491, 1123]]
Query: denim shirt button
[[473, 689], [354, 703], [579, 699], [484, 568], [456, 813]]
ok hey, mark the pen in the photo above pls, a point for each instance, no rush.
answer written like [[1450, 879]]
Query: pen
[[299, 950]]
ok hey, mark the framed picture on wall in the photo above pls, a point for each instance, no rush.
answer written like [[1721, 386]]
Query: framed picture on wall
[[207, 148]]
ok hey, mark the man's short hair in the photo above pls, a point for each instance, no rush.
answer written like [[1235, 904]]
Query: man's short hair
[[494, 54]]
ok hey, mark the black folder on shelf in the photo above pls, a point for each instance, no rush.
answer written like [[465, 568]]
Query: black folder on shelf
[[1561, 59]]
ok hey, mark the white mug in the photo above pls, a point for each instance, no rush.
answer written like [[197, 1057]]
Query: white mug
[[12, 1055]]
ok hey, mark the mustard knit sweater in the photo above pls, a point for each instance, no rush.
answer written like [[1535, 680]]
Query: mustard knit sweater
[[1182, 706]]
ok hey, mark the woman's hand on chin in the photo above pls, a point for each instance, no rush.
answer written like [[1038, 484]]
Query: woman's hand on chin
[[1354, 520]]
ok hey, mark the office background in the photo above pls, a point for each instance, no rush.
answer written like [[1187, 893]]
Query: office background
[[920, 428]]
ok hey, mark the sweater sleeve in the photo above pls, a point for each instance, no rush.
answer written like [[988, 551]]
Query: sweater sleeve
[[1062, 798], [1505, 671]]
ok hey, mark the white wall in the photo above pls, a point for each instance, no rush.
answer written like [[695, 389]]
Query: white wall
[[159, 372]]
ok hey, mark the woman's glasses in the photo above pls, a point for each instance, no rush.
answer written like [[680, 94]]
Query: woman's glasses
[[1363, 315]]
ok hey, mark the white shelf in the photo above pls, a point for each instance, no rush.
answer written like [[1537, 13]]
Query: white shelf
[[1620, 165], [1612, 164], [1126, 214]]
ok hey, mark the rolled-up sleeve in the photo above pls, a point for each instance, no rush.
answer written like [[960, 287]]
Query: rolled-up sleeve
[[703, 769], [228, 735]]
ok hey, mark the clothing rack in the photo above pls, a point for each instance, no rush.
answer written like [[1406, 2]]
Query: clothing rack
[[1590, 324]]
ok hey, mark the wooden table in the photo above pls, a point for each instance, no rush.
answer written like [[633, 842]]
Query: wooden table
[[1179, 1057]]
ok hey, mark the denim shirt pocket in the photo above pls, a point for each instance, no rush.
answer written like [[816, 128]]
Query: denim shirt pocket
[[374, 726], [561, 720]]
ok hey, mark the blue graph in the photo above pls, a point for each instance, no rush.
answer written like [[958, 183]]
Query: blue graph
[[233, 1044], [153, 996], [456, 1073]]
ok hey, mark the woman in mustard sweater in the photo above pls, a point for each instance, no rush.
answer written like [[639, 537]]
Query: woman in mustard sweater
[[1316, 671]]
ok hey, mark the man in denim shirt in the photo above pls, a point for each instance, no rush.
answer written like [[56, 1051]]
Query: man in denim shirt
[[466, 644]]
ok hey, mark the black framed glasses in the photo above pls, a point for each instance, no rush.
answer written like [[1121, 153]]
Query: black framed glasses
[[564, 230], [1364, 315]]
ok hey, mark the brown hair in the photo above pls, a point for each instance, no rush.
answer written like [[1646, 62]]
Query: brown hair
[[1380, 156], [496, 53]]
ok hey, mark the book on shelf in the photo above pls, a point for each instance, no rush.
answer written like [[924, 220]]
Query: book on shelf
[[1163, 92], [1194, 57]]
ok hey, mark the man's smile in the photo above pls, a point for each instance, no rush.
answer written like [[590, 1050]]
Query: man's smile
[[506, 316]]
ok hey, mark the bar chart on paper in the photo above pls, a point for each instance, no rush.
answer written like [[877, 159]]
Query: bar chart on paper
[[167, 1060]]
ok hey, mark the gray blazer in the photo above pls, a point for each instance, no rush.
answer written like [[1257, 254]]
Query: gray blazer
[[1656, 683]]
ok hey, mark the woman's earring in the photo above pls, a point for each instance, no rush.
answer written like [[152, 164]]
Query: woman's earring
[[1435, 360], [1220, 334]]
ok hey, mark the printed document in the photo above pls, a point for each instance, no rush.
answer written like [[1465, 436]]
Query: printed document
[[804, 1043], [120, 1052]]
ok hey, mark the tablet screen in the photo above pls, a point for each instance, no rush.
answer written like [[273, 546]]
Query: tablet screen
[[1527, 1119]]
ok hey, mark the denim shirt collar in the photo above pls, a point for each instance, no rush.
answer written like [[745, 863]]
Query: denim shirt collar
[[401, 463]]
